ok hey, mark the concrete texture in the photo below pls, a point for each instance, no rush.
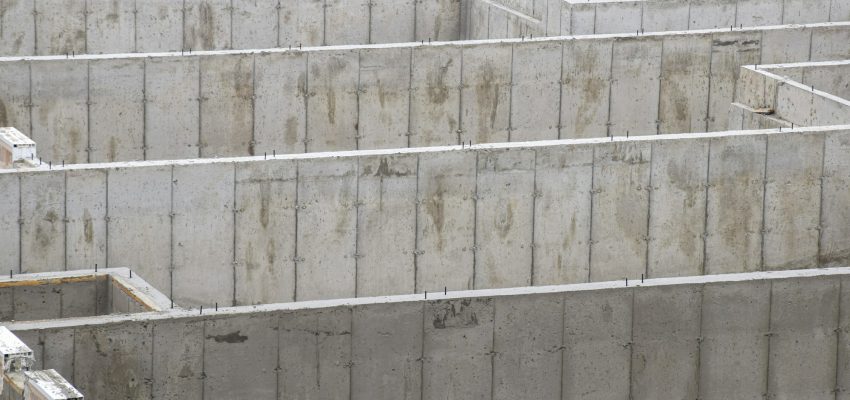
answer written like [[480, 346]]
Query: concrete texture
[[746, 335], [42, 27], [346, 98], [392, 222], [494, 19]]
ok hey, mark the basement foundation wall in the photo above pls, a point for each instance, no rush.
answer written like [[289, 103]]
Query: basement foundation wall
[[776, 335], [497, 19], [344, 225], [167, 106], [54, 27]]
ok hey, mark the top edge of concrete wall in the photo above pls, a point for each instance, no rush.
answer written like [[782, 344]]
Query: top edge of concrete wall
[[453, 295], [437, 149], [799, 85], [461, 43]]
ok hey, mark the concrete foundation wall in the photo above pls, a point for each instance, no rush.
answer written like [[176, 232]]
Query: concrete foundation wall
[[747, 336], [496, 19], [378, 223], [65, 300], [97, 109], [44, 27]]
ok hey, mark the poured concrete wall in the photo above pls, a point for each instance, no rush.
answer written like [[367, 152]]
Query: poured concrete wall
[[96, 109], [40, 27], [51, 301], [249, 231], [784, 336], [789, 100], [495, 19]]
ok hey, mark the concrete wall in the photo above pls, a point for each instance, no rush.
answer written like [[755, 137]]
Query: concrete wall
[[248, 231], [96, 109], [51, 301], [783, 336], [789, 100], [495, 19], [40, 27]]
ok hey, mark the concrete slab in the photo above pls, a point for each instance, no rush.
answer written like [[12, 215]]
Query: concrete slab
[[734, 338], [172, 112], [528, 347], [446, 221], [439, 20], [254, 24], [839, 11], [535, 92], [37, 302], [10, 212], [553, 17], [803, 12], [792, 201], [110, 26], [759, 12], [486, 91], [830, 44], [665, 16], [60, 27], [728, 52], [597, 340], [141, 221], [665, 336], [265, 232], [384, 98], [18, 21], [843, 365], [633, 109], [803, 323], [245, 340], [159, 26], [85, 215], [326, 229], [227, 90], [338, 26], [677, 208], [504, 218], [585, 96], [736, 182], [43, 238], [621, 173], [80, 299], [582, 19], [178, 370], [562, 208], [786, 45], [332, 103], [498, 23], [15, 95], [684, 91], [386, 225], [458, 349], [207, 24], [392, 21], [117, 110], [477, 22], [833, 247], [618, 17], [709, 14], [435, 96], [386, 342], [280, 90], [301, 23], [203, 209], [316, 347], [120, 353], [58, 345], [60, 114]]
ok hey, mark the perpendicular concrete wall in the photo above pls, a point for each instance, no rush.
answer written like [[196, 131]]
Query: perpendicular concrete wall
[[41, 27], [51, 301], [780, 335], [495, 19], [249, 231], [104, 108]]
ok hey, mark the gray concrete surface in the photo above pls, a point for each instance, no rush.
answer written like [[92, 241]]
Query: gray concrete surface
[[496, 19], [41, 27], [370, 223], [133, 107], [782, 335]]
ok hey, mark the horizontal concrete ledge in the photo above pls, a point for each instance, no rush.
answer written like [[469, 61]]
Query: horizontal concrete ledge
[[427, 150], [223, 311], [784, 335], [665, 34]]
